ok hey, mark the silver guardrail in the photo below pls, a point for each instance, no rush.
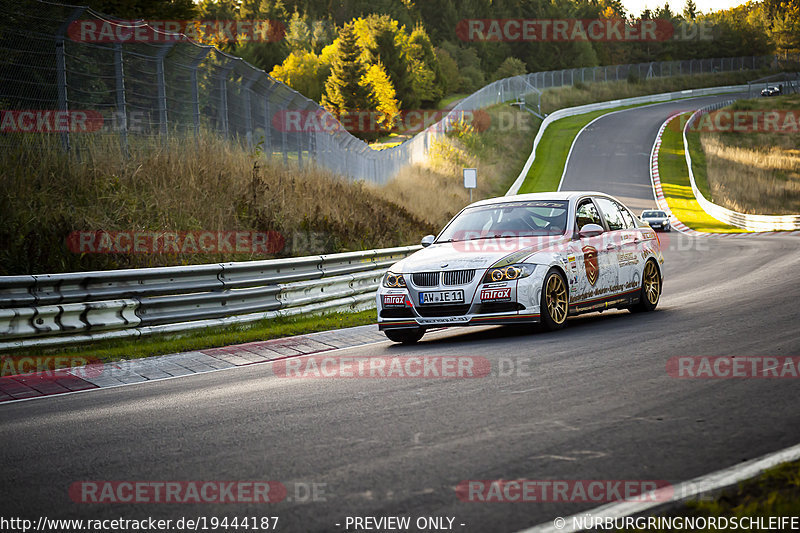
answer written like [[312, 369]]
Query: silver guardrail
[[55, 309], [723, 214]]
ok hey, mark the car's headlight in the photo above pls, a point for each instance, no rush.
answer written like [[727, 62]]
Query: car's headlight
[[508, 273], [393, 280]]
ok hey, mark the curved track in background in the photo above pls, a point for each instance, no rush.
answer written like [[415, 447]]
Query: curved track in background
[[596, 402]]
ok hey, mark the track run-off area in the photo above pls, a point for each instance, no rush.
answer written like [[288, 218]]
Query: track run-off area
[[591, 402]]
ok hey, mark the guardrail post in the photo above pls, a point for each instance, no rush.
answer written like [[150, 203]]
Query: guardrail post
[[162, 90], [122, 107]]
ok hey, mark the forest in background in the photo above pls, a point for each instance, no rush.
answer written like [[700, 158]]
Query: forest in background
[[385, 56]]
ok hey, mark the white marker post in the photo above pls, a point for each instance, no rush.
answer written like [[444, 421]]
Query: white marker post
[[470, 180]]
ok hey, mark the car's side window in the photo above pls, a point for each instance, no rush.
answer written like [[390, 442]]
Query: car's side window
[[587, 214], [630, 222], [611, 213]]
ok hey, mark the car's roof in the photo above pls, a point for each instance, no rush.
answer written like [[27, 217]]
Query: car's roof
[[560, 195], [655, 211]]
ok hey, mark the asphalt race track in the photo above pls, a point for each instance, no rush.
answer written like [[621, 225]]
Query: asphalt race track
[[593, 401]]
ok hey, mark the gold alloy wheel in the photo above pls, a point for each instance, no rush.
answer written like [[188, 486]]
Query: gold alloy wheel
[[652, 283], [556, 298]]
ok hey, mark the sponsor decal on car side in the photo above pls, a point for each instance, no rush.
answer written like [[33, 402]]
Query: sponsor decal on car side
[[496, 295], [395, 300], [627, 258], [590, 262]]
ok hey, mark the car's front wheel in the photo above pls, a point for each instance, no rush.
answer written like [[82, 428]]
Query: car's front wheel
[[405, 335], [651, 288], [554, 305]]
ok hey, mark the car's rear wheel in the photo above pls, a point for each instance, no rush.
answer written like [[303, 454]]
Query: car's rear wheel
[[405, 335], [651, 288], [554, 305]]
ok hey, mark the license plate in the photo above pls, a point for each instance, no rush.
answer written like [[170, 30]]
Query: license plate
[[441, 297]]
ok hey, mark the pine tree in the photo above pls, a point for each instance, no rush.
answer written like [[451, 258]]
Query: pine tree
[[344, 90]]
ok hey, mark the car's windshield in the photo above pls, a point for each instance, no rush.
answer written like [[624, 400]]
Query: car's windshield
[[508, 219], [653, 214]]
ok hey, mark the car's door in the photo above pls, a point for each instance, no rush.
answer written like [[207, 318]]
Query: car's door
[[589, 265], [622, 244]]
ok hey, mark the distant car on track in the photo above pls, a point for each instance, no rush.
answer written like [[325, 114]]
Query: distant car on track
[[530, 258], [771, 91], [657, 219]]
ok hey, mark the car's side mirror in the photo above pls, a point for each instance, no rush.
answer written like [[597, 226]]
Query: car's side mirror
[[427, 240], [590, 230]]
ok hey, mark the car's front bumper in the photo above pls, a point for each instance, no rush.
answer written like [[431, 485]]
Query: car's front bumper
[[519, 305]]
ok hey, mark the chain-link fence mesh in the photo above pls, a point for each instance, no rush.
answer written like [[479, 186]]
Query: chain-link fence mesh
[[58, 87]]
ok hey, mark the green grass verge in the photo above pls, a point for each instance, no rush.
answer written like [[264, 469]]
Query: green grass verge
[[551, 153], [776, 492], [146, 346], [553, 149], [676, 186]]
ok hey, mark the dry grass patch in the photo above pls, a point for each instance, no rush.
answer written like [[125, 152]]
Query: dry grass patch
[[757, 173], [435, 192], [184, 186]]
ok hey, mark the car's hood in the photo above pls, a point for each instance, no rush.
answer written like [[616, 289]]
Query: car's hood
[[475, 254]]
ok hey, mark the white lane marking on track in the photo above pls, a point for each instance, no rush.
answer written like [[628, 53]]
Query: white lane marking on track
[[683, 491]]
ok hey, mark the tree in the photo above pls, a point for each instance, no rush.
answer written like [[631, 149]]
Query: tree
[[344, 90], [298, 35], [690, 10], [383, 96], [451, 78], [304, 72], [511, 66], [384, 41], [427, 82]]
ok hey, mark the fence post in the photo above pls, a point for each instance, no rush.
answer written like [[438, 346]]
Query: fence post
[[201, 55], [162, 90], [222, 85], [248, 119], [268, 119], [61, 69], [122, 108]]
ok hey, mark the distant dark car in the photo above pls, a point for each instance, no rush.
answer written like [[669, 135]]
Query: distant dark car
[[771, 91], [657, 219]]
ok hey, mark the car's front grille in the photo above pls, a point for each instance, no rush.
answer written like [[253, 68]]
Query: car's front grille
[[457, 277], [443, 310], [425, 279]]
